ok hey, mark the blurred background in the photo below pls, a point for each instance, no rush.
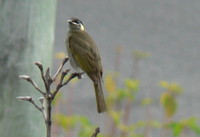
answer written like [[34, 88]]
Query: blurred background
[[150, 54]]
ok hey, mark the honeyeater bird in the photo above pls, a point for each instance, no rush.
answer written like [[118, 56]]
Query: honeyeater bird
[[84, 55]]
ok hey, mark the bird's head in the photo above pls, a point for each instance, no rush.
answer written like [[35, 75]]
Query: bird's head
[[75, 24]]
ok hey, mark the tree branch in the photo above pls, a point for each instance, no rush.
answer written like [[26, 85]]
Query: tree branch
[[40, 66], [61, 83], [29, 79], [97, 131], [48, 96], [29, 99], [73, 75], [60, 68]]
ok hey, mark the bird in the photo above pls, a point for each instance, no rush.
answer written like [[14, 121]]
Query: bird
[[84, 55]]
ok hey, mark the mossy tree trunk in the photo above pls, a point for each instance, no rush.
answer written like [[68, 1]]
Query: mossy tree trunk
[[26, 35]]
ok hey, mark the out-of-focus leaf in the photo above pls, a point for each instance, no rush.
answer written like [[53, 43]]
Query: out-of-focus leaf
[[121, 94], [176, 128], [64, 121], [115, 116], [125, 94], [192, 123], [146, 101], [196, 128], [86, 131], [140, 54], [175, 88], [124, 128], [84, 121], [164, 84], [140, 124], [169, 103], [156, 124], [131, 84], [110, 84], [60, 55]]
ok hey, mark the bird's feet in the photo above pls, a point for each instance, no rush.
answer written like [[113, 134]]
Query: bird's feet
[[79, 75]]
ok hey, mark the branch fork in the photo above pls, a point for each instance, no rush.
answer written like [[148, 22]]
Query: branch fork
[[48, 95]]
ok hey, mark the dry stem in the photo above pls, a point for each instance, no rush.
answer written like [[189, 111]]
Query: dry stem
[[48, 96]]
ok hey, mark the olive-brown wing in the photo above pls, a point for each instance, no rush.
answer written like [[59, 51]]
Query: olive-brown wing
[[86, 55]]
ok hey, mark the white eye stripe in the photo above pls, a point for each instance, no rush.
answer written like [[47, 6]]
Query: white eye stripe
[[75, 23]]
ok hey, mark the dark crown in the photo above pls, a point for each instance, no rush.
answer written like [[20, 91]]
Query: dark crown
[[76, 20]]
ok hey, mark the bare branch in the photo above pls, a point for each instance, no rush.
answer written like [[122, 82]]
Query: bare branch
[[61, 84], [48, 96], [24, 98], [48, 80], [25, 77], [97, 131], [29, 99], [64, 73], [39, 65], [42, 101], [73, 75], [60, 68], [28, 78], [47, 74]]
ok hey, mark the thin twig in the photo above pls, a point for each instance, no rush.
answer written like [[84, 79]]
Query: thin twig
[[61, 83], [73, 75], [60, 68], [29, 79], [97, 131], [48, 96], [39, 65], [48, 77], [42, 101], [63, 74], [29, 99]]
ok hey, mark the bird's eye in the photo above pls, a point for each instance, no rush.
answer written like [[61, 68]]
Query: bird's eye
[[78, 21]]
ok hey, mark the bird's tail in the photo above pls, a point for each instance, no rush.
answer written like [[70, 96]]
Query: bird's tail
[[101, 105]]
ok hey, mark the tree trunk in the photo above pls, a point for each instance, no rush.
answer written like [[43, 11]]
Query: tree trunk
[[26, 35]]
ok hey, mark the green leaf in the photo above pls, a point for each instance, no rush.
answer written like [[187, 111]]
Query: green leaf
[[169, 103], [174, 87], [84, 121], [164, 84], [132, 84], [176, 128], [192, 123], [146, 101], [140, 54], [115, 116], [66, 122], [155, 124], [110, 84], [124, 94]]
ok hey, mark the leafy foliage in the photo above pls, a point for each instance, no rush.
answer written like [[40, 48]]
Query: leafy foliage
[[185, 124], [117, 99], [168, 98]]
